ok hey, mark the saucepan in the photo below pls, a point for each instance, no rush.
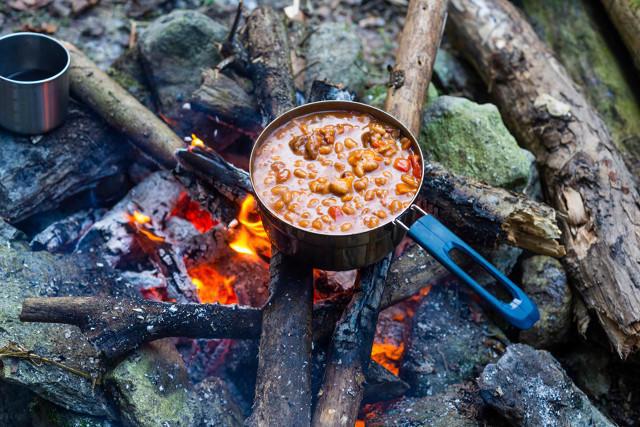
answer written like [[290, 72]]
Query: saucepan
[[349, 251]]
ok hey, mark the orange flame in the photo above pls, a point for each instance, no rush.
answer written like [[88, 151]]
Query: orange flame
[[141, 222], [213, 287], [388, 355], [250, 238], [196, 142]]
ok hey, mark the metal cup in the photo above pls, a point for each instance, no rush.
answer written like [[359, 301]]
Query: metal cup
[[34, 83]]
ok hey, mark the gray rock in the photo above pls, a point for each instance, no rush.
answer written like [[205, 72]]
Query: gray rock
[[215, 404], [455, 77], [530, 388], [46, 414], [336, 50], [471, 139], [450, 342], [14, 405], [459, 406], [545, 281], [175, 49], [27, 274]]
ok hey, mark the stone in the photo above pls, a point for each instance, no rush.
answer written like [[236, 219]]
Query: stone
[[46, 414], [216, 405], [14, 405], [471, 139], [377, 94], [451, 341], [456, 77], [175, 49], [29, 274], [529, 388], [334, 52], [545, 281], [459, 406]]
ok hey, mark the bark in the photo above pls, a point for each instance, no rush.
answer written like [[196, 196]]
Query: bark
[[116, 326], [223, 98], [121, 110], [625, 15], [283, 389], [342, 389], [585, 177], [417, 49]]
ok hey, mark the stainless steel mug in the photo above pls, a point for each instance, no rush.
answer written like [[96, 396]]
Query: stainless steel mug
[[34, 83]]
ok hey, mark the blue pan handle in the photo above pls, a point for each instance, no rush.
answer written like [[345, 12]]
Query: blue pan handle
[[438, 241]]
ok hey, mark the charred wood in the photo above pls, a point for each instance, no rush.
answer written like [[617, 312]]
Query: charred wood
[[121, 110], [585, 177]]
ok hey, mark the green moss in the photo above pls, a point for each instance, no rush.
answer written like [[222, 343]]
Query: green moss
[[377, 94], [471, 139], [576, 31]]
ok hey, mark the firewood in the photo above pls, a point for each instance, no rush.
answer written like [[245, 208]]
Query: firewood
[[120, 109], [625, 15], [342, 391], [283, 386], [585, 177]]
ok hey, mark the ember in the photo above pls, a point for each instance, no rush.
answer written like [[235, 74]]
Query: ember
[[193, 212], [212, 286], [250, 238], [388, 354], [143, 224]]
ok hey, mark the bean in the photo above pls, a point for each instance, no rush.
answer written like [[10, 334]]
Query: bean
[[278, 205], [339, 167], [277, 166], [361, 184], [369, 195], [377, 128], [300, 173], [350, 143], [346, 226], [293, 207], [381, 214], [323, 180], [275, 157], [348, 209], [298, 163], [403, 189], [330, 201], [381, 193], [339, 187], [283, 176], [311, 149], [371, 222], [288, 216], [380, 181], [326, 162], [355, 156], [312, 203], [369, 165], [303, 223], [326, 219], [358, 170], [410, 180], [312, 175], [366, 138], [311, 166], [339, 147], [279, 189], [317, 224], [325, 149], [395, 206], [347, 197], [305, 215], [286, 197], [387, 174], [269, 180], [405, 143]]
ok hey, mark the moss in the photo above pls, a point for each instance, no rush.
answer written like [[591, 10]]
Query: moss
[[376, 95], [471, 139], [581, 44]]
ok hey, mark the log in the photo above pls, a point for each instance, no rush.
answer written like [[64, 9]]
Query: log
[[115, 326], [585, 177], [121, 110], [283, 386], [416, 54], [342, 389], [283, 389], [223, 98], [625, 15], [596, 61]]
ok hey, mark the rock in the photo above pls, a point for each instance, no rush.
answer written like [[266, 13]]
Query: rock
[[152, 388], [529, 388], [377, 94], [450, 342], [456, 78], [471, 139], [588, 365], [459, 406], [127, 70], [175, 49], [336, 52], [26, 274], [545, 281], [14, 405], [46, 414]]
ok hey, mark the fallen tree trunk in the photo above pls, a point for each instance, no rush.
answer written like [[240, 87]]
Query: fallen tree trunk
[[625, 15], [121, 110], [585, 177]]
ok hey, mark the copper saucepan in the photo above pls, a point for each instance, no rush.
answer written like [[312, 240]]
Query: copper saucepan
[[349, 251]]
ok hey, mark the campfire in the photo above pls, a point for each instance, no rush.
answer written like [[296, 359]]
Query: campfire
[[141, 287]]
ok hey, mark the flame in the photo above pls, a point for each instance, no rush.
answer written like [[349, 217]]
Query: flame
[[213, 287], [250, 238], [359, 423], [142, 223], [388, 354], [192, 211], [196, 142]]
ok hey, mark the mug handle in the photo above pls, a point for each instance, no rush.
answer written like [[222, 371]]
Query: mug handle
[[439, 241]]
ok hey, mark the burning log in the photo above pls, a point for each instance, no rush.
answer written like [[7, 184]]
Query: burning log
[[626, 17], [115, 326], [120, 109], [343, 386], [585, 176]]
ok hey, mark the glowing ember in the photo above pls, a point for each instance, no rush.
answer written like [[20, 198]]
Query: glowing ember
[[212, 286], [388, 355], [192, 211], [250, 238], [196, 142], [143, 223], [359, 423]]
